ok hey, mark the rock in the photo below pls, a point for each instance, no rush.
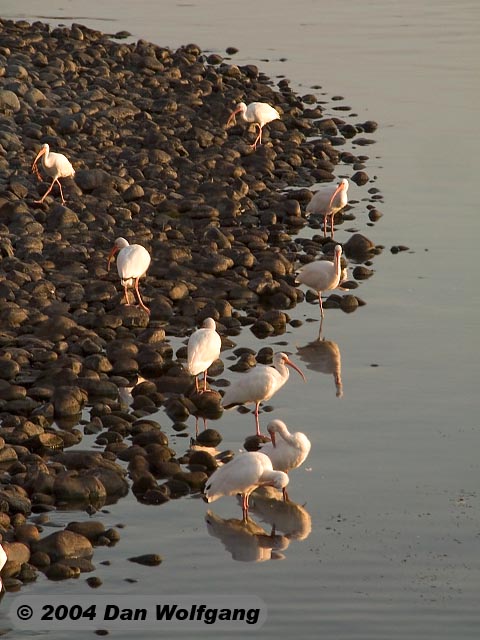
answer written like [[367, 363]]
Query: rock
[[17, 554], [360, 178], [27, 533], [15, 500], [147, 559], [91, 529], [68, 401], [204, 459], [112, 480], [90, 179], [358, 246], [9, 103], [9, 369], [82, 489], [61, 571], [64, 544], [209, 438], [94, 582], [40, 559]]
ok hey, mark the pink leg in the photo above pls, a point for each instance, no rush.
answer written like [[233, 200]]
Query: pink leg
[[332, 216], [205, 390], [320, 328], [140, 297], [257, 423], [196, 385], [320, 303], [126, 295], [325, 225], [245, 507], [61, 192], [258, 139], [47, 192]]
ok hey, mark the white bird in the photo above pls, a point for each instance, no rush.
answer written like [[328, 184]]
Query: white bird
[[132, 263], [244, 473], [3, 560], [328, 201], [258, 113], [288, 451], [260, 383], [322, 275], [56, 165], [203, 348]]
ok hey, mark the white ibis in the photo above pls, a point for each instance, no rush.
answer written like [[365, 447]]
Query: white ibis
[[56, 165], [260, 383], [244, 473], [258, 113], [3, 560], [328, 201], [288, 451], [132, 263], [203, 348], [322, 275]]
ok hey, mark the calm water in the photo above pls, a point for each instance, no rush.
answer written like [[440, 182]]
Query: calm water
[[391, 484]]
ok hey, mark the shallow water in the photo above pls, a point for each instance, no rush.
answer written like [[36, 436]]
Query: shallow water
[[391, 482]]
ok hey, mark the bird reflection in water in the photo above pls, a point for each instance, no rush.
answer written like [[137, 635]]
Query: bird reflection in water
[[324, 356], [246, 541], [292, 519]]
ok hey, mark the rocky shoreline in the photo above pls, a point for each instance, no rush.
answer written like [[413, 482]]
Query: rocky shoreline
[[144, 128]]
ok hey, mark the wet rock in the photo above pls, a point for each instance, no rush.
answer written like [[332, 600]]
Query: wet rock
[[358, 247], [17, 554], [64, 544], [94, 582], [374, 215], [398, 248], [27, 533], [91, 529], [209, 438], [348, 303], [147, 559], [177, 488], [79, 489], [112, 480], [61, 571], [253, 443], [194, 479], [28, 573], [360, 178], [164, 468], [204, 459], [15, 500], [40, 559], [362, 273], [68, 401]]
